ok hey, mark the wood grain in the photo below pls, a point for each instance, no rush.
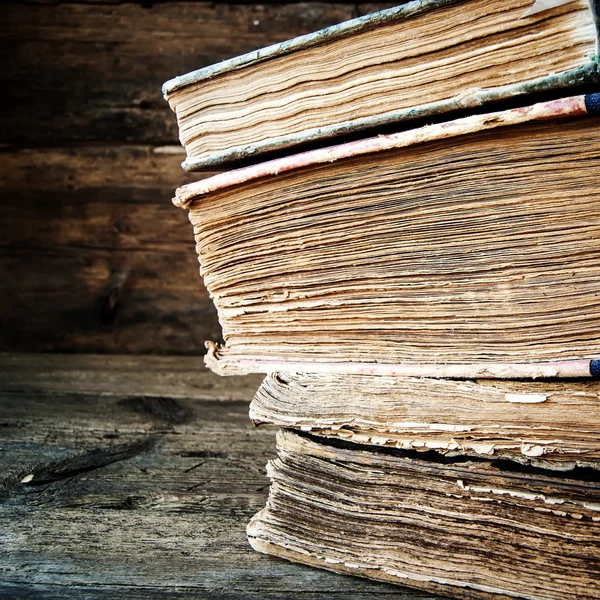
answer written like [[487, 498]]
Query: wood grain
[[128, 500], [174, 377], [105, 262]]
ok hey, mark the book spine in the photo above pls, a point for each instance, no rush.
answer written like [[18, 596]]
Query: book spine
[[592, 104]]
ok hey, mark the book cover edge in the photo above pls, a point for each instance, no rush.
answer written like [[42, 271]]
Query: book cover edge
[[572, 106]]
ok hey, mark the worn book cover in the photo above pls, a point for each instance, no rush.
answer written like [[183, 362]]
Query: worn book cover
[[416, 60]]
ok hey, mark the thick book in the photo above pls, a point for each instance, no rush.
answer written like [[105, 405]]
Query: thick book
[[461, 249], [461, 527], [416, 60], [549, 423]]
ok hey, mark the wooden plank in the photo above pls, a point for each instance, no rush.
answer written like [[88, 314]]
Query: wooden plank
[[94, 71], [102, 496], [175, 377], [105, 262]]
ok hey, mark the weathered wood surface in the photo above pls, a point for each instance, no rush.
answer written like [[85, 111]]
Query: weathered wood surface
[[90, 160], [174, 377], [104, 261], [140, 494]]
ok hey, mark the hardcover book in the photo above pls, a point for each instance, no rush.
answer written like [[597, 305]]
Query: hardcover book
[[416, 60], [461, 249], [461, 527]]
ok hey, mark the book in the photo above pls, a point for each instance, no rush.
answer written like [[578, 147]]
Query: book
[[460, 249], [413, 61], [463, 527], [553, 424]]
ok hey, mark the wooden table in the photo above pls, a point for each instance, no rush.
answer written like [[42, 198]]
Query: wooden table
[[134, 477]]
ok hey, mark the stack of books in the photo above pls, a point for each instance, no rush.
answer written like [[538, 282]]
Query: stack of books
[[406, 242]]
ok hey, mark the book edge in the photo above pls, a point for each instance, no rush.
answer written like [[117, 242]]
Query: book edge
[[586, 74], [293, 554], [577, 368], [572, 106], [290, 442], [288, 405]]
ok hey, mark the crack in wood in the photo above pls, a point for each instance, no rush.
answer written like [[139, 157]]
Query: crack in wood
[[72, 466], [129, 503], [194, 467], [195, 486]]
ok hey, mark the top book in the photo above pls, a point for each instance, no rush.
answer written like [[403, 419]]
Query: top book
[[419, 59]]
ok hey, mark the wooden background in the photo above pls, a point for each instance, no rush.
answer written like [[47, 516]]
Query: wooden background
[[94, 257]]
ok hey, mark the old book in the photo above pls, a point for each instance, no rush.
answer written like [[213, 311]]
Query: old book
[[467, 528], [549, 423], [415, 60], [463, 249]]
